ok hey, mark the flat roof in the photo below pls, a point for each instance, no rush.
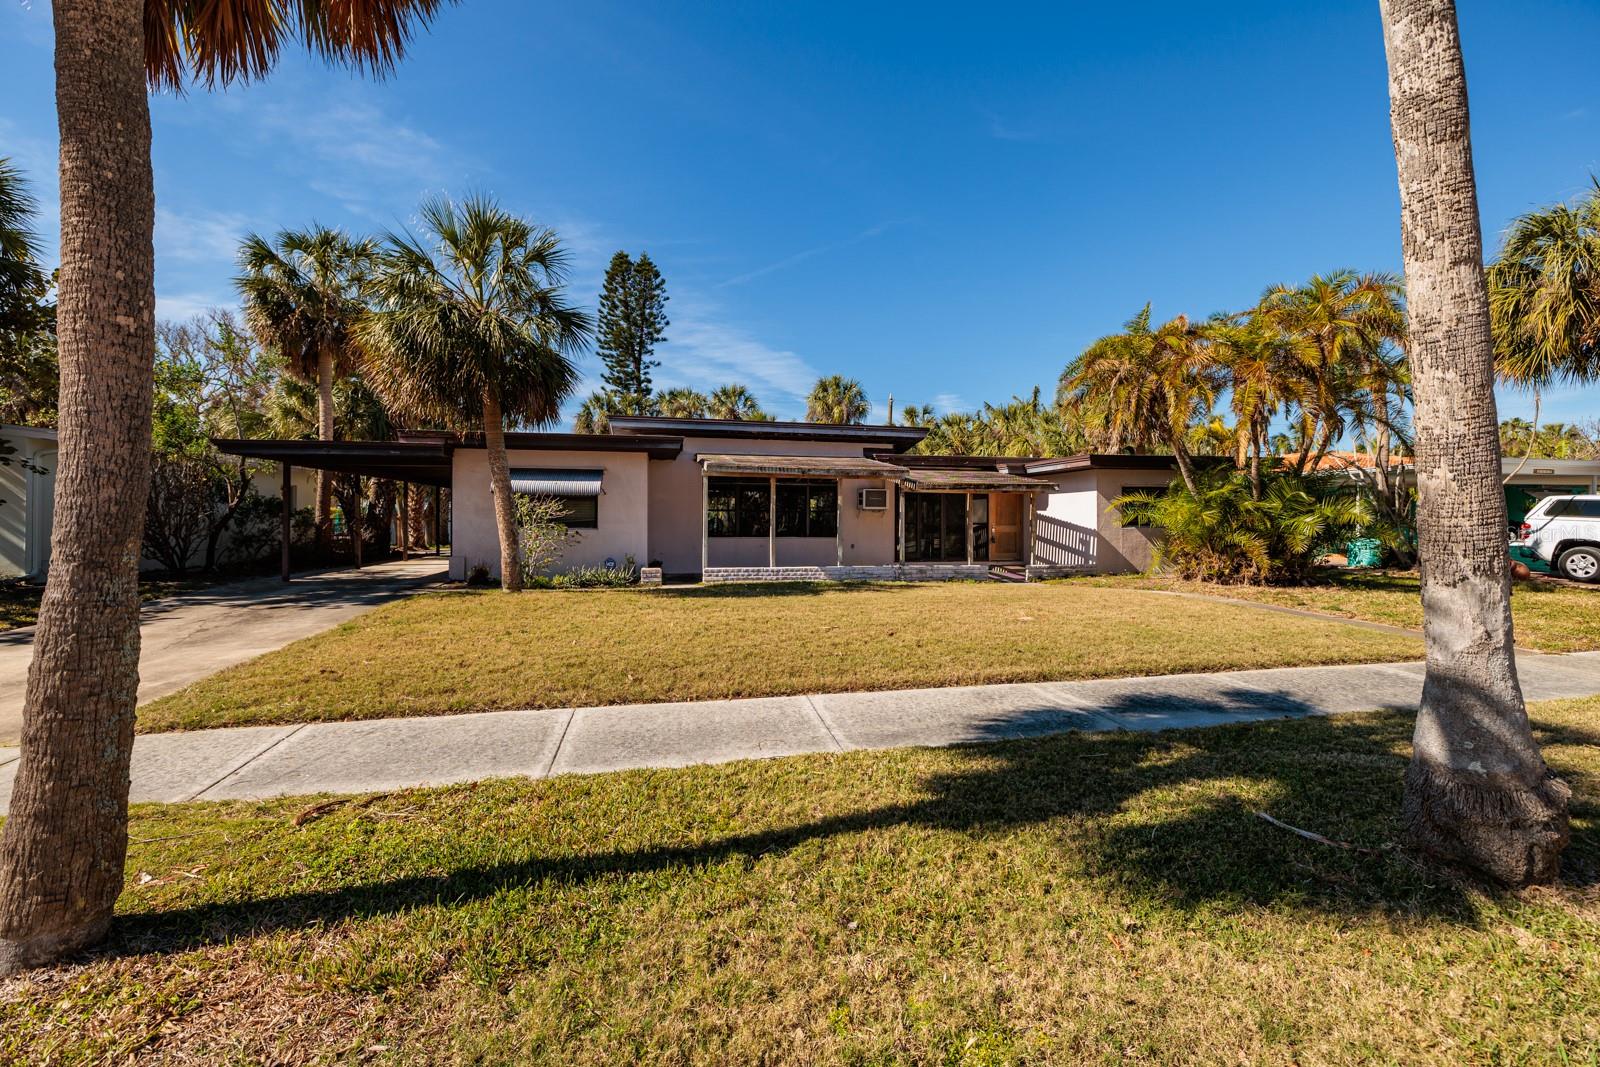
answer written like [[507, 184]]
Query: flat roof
[[653, 445], [898, 438], [800, 466], [934, 480], [423, 462]]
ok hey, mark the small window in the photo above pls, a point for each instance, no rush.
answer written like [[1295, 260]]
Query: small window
[[1140, 490], [579, 512]]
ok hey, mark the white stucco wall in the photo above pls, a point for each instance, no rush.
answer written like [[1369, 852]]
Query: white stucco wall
[[676, 502], [623, 515], [29, 500], [1077, 526]]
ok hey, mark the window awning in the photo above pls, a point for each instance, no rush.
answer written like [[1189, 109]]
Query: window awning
[[801, 466], [555, 481], [927, 480]]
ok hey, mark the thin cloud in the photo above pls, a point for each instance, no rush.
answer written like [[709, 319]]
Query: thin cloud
[[181, 307], [946, 403], [810, 253], [202, 236], [1002, 130]]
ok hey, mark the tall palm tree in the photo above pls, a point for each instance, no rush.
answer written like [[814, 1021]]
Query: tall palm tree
[[594, 414], [63, 847], [682, 404], [1477, 790], [836, 399], [1148, 384], [471, 328], [734, 401], [302, 295]]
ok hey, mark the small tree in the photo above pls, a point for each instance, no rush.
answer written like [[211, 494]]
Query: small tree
[[836, 399], [542, 537], [632, 320]]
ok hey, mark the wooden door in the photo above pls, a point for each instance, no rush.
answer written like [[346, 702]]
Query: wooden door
[[1005, 526]]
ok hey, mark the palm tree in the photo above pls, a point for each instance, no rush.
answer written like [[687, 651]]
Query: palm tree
[[1477, 790], [27, 352], [63, 846], [836, 399], [734, 401], [594, 414], [302, 295], [1544, 301], [1339, 327], [682, 404], [471, 328], [18, 243], [1150, 385]]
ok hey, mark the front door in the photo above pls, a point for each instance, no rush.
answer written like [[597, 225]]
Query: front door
[[1005, 526]]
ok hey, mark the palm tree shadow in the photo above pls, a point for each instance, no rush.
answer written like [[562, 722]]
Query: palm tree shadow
[[1168, 818]]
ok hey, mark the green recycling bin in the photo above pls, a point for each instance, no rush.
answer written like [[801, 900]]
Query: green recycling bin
[[1364, 552]]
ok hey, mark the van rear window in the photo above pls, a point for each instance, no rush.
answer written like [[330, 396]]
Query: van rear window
[[1568, 507]]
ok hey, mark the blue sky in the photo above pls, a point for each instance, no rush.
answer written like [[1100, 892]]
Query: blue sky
[[946, 202]]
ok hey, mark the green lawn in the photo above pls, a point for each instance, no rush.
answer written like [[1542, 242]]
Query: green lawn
[[463, 651], [1080, 899], [1548, 617]]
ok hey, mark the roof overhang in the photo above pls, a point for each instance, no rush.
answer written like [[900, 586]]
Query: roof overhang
[[928, 480], [655, 446], [800, 466], [422, 462], [893, 438]]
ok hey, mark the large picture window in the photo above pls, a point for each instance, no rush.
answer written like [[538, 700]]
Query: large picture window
[[740, 507], [737, 507], [808, 509]]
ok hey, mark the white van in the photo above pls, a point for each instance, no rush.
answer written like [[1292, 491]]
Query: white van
[[1564, 531]]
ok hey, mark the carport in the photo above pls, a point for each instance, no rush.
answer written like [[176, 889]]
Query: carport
[[425, 461]]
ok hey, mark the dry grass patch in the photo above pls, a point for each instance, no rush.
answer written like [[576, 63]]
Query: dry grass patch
[[467, 651], [1076, 899], [1549, 616]]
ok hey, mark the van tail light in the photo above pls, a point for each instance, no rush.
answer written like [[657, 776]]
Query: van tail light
[[1525, 529]]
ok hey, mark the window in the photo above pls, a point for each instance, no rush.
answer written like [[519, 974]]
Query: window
[[579, 512], [1140, 490], [1573, 508], [737, 507], [808, 509]]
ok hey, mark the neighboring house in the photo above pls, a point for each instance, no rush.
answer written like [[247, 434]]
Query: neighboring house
[[1527, 481], [732, 500], [27, 487]]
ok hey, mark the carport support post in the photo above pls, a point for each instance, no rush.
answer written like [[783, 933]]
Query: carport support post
[[772, 521], [705, 523], [969, 529], [284, 524], [437, 541], [405, 521]]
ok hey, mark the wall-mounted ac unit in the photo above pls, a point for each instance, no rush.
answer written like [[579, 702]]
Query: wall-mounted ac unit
[[872, 499]]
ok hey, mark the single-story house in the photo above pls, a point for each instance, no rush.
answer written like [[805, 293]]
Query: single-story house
[[732, 500]]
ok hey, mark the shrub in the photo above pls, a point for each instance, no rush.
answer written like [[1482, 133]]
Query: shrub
[[597, 577], [1223, 534], [541, 535], [478, 575]]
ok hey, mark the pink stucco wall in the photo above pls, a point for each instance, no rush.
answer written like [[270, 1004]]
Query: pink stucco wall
[[676, 507], [623, 520]]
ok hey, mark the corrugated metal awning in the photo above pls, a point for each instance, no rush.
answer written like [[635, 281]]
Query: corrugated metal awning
[[801, 466], [971, 481], [555, 481]]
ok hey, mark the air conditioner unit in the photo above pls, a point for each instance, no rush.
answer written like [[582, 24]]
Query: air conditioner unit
[[872, 499]]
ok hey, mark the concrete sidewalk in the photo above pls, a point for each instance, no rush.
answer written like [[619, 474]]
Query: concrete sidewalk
[[255, 762], [186, 637]]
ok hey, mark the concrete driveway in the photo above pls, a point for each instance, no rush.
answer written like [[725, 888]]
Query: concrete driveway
[[186, 637]]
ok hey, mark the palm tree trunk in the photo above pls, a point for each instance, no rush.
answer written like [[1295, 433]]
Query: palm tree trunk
[[1477, 790], [63, 847], [505, 513], [324, 516]]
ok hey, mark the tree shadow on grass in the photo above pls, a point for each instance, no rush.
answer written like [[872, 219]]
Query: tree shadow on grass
[[1167, 818]]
